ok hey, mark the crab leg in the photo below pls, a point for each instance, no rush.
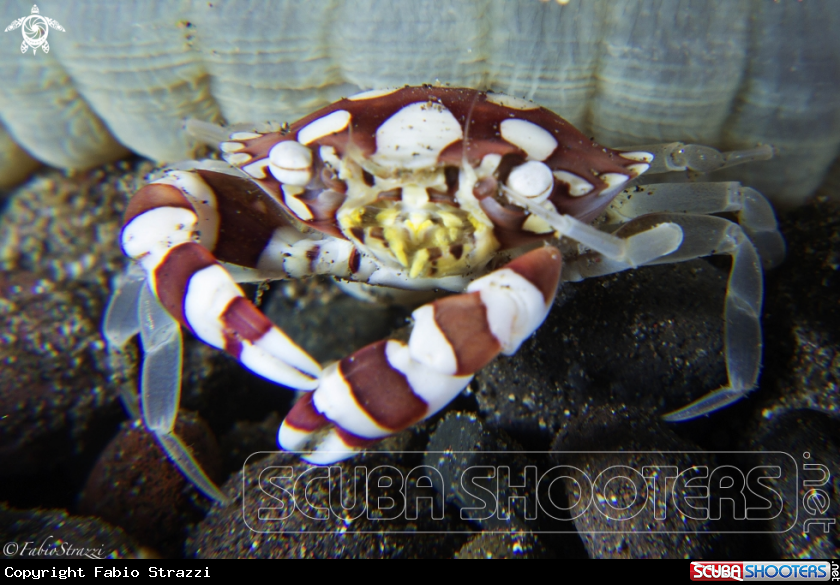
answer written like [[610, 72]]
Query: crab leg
[[635, 251], [703, 236], [184, 283], [389, 385], [122, 322], [134, 309], [161, 388], [753, 211], [676, 156]]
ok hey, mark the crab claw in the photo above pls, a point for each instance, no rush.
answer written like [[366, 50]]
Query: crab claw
[[389, 385], [189, 282]]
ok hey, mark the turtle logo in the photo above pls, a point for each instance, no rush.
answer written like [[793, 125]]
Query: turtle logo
[[35, 30]]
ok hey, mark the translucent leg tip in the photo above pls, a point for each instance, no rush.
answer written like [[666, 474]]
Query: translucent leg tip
[[707, 404]]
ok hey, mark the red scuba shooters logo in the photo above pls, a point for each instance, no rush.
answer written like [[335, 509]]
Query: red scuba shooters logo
[[716, 571]]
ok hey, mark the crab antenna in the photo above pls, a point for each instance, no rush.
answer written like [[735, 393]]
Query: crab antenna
[[466, 141]]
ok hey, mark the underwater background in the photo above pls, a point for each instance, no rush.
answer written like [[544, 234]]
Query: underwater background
[[83, 124]]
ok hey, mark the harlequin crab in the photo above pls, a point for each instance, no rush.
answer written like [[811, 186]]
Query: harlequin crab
[[416, 188]]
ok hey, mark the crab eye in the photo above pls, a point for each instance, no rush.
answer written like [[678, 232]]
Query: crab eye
[[531, 179], [291, 163]]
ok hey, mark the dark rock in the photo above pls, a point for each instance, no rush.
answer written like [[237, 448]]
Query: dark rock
[[608, 457], [800, 414], [808, 527], [134, 485], [53, 534], [327, 322], [802, 333], [264, 522], [247, 438], [54, 374], [461, 442], [504, 546], [58, 252]]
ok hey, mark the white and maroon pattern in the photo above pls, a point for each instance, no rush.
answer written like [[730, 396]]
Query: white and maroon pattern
[[164, 224], [389, 385], [379, 390], [510, 143]]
